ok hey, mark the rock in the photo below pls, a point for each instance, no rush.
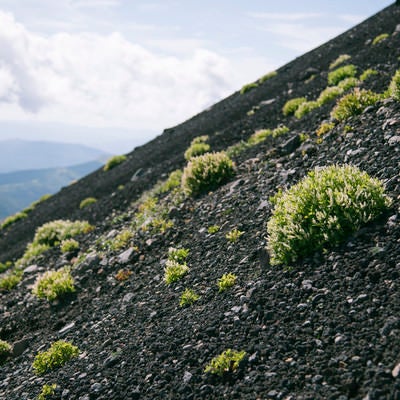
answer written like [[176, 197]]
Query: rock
[[31, 269], [394, 140], [396, 371], [126, 256], [187, 376], [66, 328], [290, 145], [20, 346], [128, 297]]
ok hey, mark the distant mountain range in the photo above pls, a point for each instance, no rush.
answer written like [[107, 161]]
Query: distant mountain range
[[30, 169], [22, 155]]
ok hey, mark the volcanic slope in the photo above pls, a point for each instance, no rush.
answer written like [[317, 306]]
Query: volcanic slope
[[325, 327]]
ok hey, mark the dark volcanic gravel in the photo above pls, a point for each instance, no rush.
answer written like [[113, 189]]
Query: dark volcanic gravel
[[325, 328]]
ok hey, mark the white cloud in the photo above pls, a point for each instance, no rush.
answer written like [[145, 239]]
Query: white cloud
[[95, 3], [284, 16], [352, 18], [103, 80]]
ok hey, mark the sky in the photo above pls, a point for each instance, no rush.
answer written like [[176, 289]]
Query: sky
[[113, 74]]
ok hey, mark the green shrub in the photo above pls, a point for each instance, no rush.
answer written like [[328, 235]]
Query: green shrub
[[47, 390], [12, 219], [174, 271], [340, 60], [236, 149], [196, 149], [113, 162], [305, 108], [337, 75], [11, 280], [178, 255], [329, 94], [259, 136], [234, 235], [348, 83], [353, 104], [226, 281], [226, 362], [268, 76], [367, 74], [206, 172], [87, 202], [69, 245], [292, 105], [324, 128], [280, 130], [173, 181], [322, 210], [213, 229], [5, 350], [188, 297], [394, 87], [248, 87], [54, 284], [5, 266], [57, 355], [380, 38]]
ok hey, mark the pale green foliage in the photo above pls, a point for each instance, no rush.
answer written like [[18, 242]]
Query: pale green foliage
[[354, 103], [394, 87], [328, 94], [87, 202], [173, 181], [113, 162], [280, 130], [234, 235], [213, 229], [305, 108], [54, 284], [188, 297], [226, 362], [337, 75], [226, 281], [174, 271], [178, 255], [5, 349], [248, 87], [5, 266], [58, 354], [197, 147], [367, 74], [340, 60], [292, 105], [11, 280], [348, 83], [325, 127], [322, 210], [121, 240], [268, 76], [69, 245], [206, 172], [13, 218], [237, 148], [47, 390], [263, 134], [380, 38]]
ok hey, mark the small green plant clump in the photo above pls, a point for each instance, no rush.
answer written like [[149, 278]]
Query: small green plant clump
[[394, 87], [337, 75], [234, 235], [57, 355], [380, 38], [69, 245], [292, 105], [306, 108], [121, 240], [12, 219], [367, 74], [348, 83], [267, 77], [198, 146], [322, 210], [324, 128], [213, 229], [188, 297], [47, 390], [340, 60], [123, 275], [178, 255], [354, 103], [5, 266], [5, 350], [113, 162], [248, 87], [54, 284], [173, 181], [174, 271], [11, 280], [329, 94], [226, 281], [87, 202], [227, 362], [206, 172]]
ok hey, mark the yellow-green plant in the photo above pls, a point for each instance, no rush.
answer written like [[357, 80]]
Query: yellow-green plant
[[340, 60], [11, 279], [234, 235], [380, 38], [213, 229], [324, 128], [206, 172], [174, 271], [87, 202], [5, 266], [394, 87], [267, 77], [113, 162], [198, 146], [57, 355], [348, 83], [367, 74], [178, 255], [226, 281], [69, 245], [292, 105], [337, 75], [305, 108], [228, 361], [322, 210], [328, 94], [188, 297], [12, 219], [173, 181], [54, 284], [47, 390], [5, 350], [248, 87], [354, 103]]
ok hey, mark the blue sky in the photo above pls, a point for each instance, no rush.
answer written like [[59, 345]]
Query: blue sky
[[115, 73]]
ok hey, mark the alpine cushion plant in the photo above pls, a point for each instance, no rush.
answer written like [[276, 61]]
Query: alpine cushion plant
[[206, 172], [394, 87], [337, 75], [292, 105], [228, 361], [226, 281], [54, 284], [188, 297], [197, 147], [5, 350], [340, 60], [57, 355], [87, 202], [322, 210], [174, 271], [113, 162]]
